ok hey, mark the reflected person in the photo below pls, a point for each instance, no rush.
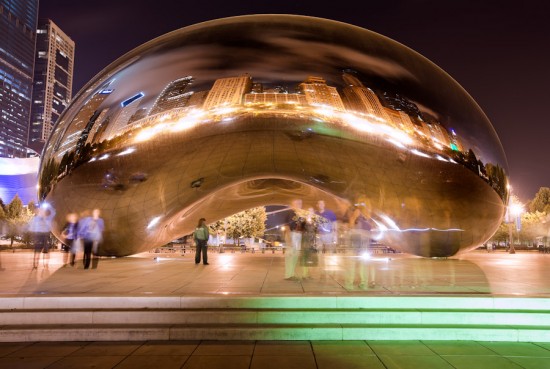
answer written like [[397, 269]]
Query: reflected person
[[358, 240], [293, 238], [327, 230], [327, 226], [308, 255]]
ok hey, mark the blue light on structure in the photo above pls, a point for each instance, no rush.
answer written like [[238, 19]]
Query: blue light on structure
[[127, 102]]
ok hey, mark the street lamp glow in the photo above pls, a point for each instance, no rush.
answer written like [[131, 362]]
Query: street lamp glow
[[516, 209]]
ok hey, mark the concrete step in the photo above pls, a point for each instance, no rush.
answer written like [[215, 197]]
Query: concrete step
[[275, 302], [85, 318], [493, 318], [32, 333]]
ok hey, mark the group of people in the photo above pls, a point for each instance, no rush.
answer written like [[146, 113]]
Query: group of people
[[310, 233], [84, 233], [314, 232]]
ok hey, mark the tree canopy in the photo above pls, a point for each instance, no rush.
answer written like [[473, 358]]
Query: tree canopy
[[248, 223], [541, 202]]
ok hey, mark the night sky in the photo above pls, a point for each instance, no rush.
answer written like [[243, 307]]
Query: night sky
[[498, 53]]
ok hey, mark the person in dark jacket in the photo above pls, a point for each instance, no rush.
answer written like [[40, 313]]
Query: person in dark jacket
[[201, 235], [90, 231], [70, 236]]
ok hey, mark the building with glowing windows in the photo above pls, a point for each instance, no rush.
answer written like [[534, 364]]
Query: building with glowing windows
[[318, 93], [274, 98], [228, 92], [175, 95], [53, 81], [81, 124], [18, 21]]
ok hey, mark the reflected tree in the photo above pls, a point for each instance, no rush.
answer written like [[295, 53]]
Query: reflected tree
[[248, 223]]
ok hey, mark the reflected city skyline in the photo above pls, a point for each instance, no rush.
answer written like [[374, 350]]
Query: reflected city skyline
[[178, 108]]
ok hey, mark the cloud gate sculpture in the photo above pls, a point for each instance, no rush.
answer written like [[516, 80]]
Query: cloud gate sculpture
[[225, 115]]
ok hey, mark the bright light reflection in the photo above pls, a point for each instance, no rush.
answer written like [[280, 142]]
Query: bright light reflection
[[226, 260], [184, 123], [126, 152], [145, 135], [153, 222], [366, 256], [106, 156], [516, 209], [419, 153], [390, 222]]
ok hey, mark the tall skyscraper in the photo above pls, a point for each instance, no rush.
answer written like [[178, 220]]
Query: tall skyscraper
[[53, 81], [400, 120], [175, 95], [318, 93], [82, 123], [397, 102], [121, 118], [228, 92], [18, 21], [197, 99], [360, 98]]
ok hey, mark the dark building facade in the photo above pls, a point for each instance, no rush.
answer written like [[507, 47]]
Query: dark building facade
[[18, 20], [53, 80]]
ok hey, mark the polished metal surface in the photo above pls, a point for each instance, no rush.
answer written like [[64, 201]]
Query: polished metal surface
[[225, 115]]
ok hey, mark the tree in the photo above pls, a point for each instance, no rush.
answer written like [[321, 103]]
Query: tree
[[541, 202], [248, 223], [533, 225], [31, 206], [2, 220], [3, 214], [17, 218], [15, 207], [502, 234]]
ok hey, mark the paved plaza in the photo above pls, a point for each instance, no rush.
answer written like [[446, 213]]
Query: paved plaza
[[474, 273], [276, 355]]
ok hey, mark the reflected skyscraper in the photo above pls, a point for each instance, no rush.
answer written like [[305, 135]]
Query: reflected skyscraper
[[397, 102], [96, 127], [175, 95], [53, 81], [274, 98], [139, 114], [18, 21], [361, 98], [81, 124], [127, 109], [318, 93], [228, 92], [197, 99]]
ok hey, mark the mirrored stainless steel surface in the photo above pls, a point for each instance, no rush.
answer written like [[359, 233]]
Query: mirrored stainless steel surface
[[255, 110]]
